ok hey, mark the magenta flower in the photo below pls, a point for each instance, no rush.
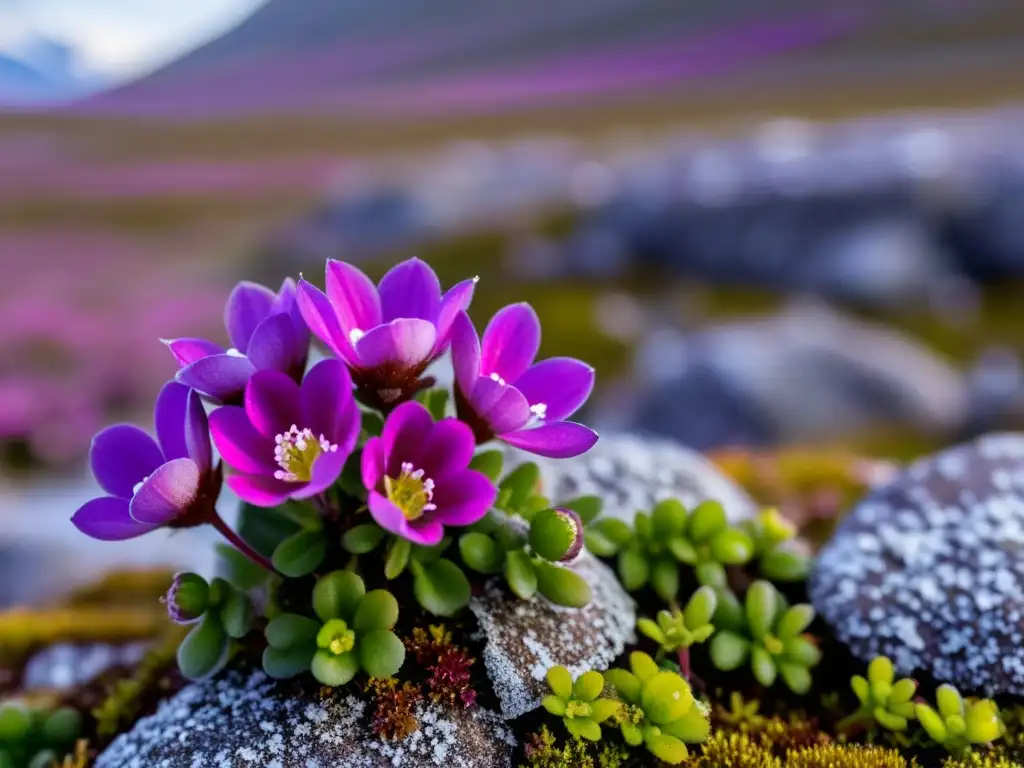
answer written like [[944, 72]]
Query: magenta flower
[[387, 334], [288, 441], [267, 333], [418, 476], [500, 391], [170, 481]]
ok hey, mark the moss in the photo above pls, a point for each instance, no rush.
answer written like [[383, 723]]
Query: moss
[[543, 751], [21, 630], [394, 717], [981, 760], [846, 756], [735, 750]]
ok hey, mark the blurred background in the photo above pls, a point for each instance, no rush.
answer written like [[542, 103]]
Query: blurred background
[[788, 223]]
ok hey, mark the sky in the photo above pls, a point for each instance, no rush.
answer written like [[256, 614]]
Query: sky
[[120, 39]]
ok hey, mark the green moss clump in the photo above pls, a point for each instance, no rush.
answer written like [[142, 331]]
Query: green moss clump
[[543, 751]]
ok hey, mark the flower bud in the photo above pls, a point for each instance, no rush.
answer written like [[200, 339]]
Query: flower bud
[[556, 534], [188, 598]]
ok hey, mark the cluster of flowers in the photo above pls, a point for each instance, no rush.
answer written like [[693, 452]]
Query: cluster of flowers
[[287, 433]]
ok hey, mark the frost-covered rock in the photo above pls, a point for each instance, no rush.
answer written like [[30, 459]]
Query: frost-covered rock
[[525, 638], [245, 720], [632, 472], [928, 569]]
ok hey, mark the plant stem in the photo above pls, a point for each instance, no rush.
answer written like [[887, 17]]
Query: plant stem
[[684, 663], [239, 543], [852, 724]]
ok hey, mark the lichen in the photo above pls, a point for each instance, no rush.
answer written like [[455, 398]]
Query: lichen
[[395, 715]]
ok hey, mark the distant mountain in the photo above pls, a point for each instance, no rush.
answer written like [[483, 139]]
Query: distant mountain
[[41, 71]]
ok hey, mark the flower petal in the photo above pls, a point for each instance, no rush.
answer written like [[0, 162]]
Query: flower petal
[[454, 302], [405, 430], [373, 463], [187, 351], [325, 471], [197, 433], [321, 319], [328, 407], [272, 346], [272, 403], [426, 533], [463, 498], [510, 342], [166, 493], [169, 416], [406, 341], [238, 442], [354, 298], [410, 289], [448, 449], [390, 518], [247, 307], [465, 352], [563, 384], [287, 303], [121, 456], [220, 377], [261, 490], [558, 440], [107, 519], [503, 407]]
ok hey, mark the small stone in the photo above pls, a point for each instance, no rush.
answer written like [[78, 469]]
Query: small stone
[[927, 570], [246, 720], [524, 638]]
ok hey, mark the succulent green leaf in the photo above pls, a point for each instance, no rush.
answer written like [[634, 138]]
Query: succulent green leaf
[[763, 666], [204, 650], [436, 401], [263, 529], [423, 554], [666, 697], [337, 595], [616, 531], [237, 614], [732, 547], [364, 538], [583, 727], [587, 507], [784, 563], [15, 722], [643, 666], [707, 519], [761, 605], [381, 653], [625, 683], [902, 692], [729, 612], [794, 621], [982, 721], [554, 705], [950, 701], [300, 554], [440, 587], [488, 462], [700, 608], [668, 519], [520, 574], [796, 677], [333, 670], [62, 726], [481, 553], [602, 709], [889, 720], [861, 689], [588, 686], [801, 651], [711, 574], [667, 748], [692, 728], [562, 586], [880, 670], [728, 650], [377, 610], [599, 544], [631, 734], [642, 526], [560, 681], [633, 570], [290, 630], [682, 550], [552, 534], [241, 572], [519, 485], [932, 722], [397, 558], [665, 579], [701, 634], [651, 630]]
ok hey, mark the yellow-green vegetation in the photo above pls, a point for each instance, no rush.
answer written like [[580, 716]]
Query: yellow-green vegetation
[[23, 629]]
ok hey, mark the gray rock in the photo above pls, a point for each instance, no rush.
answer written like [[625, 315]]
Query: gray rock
[[525, 638], [928, 570], [633, 472], [245, 720], [64, 665]]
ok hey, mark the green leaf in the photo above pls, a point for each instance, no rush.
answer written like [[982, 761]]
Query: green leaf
[[204, 650], [290, 630], [707, 519], [373, 423], [15, 722], [334, 670], [761, 605], [728, 650], [711, 574], [633, 570], [398, 558], [583, 727], [602, 709], [520, 484], [784, 564], [441, 587], [237, 614], [520, 574], [381, 653], [729, 613], [643, 666], [488, 462], [700, 608], [422, 554], [351, 478], [682, 550], [665, 579], [668, 519], [378, 610], [62, 726], [552, 534], [363, 538], [337, 595], [300, 554], [692, 728], [481, 553], [794, 621], [554, 705], [796, 677], [667, 748], [951, 703], [652, 630], [881, 671], [587, 507], [588, 686], [763, 666], [237, 569], [932, 722], [282, 663], [436, 401], [559, 681], [626, 684], [562, 586], [732, 547], [666, 697], [631, 734], [264, 528]]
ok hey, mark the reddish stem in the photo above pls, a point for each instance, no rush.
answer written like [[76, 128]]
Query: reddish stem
[[684, 663], [239, 543]]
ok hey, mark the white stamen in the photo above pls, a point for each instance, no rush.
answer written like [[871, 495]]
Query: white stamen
[[538, 413], [355, 335], [234, 353], [138, 485], [497, 378], [291, 445]]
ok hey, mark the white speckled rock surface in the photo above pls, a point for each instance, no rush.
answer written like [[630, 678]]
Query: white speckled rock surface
[[633, 472], [525, 638], [929, 569], [241, 720]]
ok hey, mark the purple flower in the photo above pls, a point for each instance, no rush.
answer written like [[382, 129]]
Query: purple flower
[[267, 333], [170, 481], [387, 334], [499, 390], [288, 441], [418, 476]]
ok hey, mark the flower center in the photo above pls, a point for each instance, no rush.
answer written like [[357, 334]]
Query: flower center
[[336, 638], [577, 709], [411, 492], [295, 452]]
